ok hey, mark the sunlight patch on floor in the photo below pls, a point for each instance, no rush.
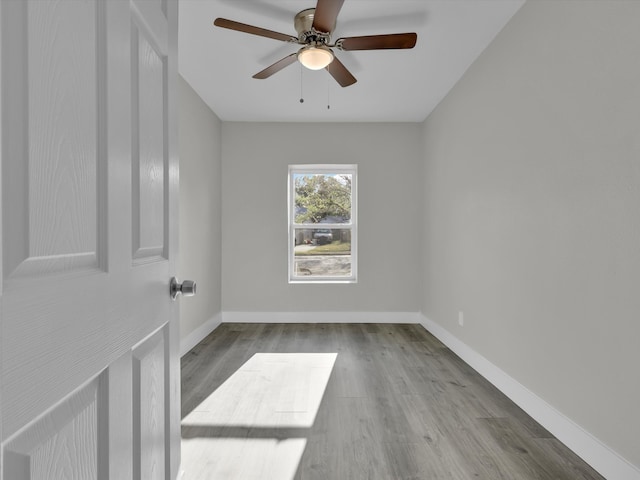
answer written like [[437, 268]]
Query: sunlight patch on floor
[[269, 390], [255, 424], [241, 458]]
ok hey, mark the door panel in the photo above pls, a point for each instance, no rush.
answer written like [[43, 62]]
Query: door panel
[[149, 153], [149, 371], [89, 355], [62, 41], [61, 444], [53, 73]]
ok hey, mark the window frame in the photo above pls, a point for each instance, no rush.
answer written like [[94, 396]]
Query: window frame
[[320, 169]]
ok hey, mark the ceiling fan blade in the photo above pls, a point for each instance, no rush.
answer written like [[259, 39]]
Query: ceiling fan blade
[[340, 73], [379, 42], [324, 18], [261, 32], [276, 67]]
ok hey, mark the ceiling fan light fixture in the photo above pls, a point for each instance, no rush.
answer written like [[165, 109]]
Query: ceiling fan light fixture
[[315, 57]]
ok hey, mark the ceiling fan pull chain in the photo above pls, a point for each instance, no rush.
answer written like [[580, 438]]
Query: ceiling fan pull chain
[[328, 90], [301, 97]]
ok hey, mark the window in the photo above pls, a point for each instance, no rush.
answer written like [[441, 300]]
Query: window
[[322, 224]]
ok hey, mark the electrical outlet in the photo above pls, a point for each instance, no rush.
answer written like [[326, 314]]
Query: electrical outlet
[[461, 319]]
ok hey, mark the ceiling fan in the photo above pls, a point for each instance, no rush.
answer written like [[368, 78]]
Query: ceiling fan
[[314, 27]]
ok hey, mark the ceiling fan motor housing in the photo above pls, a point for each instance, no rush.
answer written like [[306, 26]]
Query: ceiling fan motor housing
[[303, 23]]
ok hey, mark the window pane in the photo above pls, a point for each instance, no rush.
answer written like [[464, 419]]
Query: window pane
[[322, 252], [322, 198]]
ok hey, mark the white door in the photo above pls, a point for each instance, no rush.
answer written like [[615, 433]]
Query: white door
[[88, 333]]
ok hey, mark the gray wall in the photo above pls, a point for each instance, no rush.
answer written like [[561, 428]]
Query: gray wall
[[532, 211], [255, 160], [200, 209]]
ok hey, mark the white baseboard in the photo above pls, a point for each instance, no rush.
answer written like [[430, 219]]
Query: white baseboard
[[606, 461], [195, 337], [320, 317]]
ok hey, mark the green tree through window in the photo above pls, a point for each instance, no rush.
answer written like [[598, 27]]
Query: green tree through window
[[322, 197]]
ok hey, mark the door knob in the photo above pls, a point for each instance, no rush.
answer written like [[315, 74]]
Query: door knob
[[186, 288]]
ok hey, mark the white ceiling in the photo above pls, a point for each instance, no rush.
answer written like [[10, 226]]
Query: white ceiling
[[393, 85]]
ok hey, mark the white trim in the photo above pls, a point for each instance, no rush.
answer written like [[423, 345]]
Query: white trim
[[602, 458], [320, 317], [199, 334]]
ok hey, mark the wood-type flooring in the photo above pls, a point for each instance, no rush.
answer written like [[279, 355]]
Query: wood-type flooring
[[381, 402]]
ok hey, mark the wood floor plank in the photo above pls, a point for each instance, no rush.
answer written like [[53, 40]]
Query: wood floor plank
[[398, 405]]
